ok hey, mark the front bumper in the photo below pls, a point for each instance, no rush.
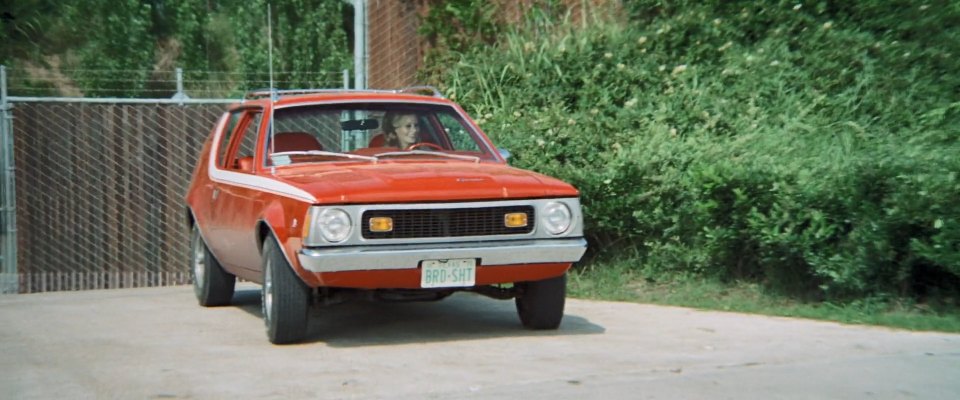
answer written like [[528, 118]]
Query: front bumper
[[383, 257]]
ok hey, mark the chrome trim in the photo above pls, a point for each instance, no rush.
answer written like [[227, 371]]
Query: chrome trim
[[475, 159], [503, 252], [264, 93], [356, 212], [426, 100]]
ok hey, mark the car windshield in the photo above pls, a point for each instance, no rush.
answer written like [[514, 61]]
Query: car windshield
[[372, 132]]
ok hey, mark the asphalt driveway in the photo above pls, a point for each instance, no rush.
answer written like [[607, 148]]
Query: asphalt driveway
[[158, 343]]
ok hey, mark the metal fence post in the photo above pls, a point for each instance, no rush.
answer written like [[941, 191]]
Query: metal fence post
[[361, 52], [8, 212], [180, 95]]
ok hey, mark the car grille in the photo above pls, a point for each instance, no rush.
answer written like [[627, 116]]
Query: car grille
[[447, 222]]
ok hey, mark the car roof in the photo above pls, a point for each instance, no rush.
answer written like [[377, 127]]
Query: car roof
[[306, 96]]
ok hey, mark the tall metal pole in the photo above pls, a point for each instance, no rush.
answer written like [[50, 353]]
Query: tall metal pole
[[273, 93], [360, 55], [8, 274]]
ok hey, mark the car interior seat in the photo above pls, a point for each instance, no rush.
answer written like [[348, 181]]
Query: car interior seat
[[295, 141], [377, 140]]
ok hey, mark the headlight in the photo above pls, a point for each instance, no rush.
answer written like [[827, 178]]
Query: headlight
[[556, 217], [334, 225]]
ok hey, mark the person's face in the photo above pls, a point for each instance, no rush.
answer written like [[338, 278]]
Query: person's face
[[407, 128]]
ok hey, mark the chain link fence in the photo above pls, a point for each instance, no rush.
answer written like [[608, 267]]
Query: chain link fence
[[99, 192], [92, 190]]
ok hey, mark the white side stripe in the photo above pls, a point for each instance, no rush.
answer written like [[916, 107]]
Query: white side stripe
[[247, 180]]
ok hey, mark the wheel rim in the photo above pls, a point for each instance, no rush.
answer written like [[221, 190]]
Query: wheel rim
[[199, 262], [267, 291]]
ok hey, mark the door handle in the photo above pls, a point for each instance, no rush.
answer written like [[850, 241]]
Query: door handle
[[216, 192]]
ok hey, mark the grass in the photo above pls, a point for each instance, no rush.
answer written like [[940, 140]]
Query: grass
[[620, 281]]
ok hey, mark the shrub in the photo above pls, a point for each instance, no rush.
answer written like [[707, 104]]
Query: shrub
[[812, 149]]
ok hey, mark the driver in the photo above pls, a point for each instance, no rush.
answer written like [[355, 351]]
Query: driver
[[400, 130]]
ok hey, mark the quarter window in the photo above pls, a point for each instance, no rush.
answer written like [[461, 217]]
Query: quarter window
[[249, 141], [234, 119], [241, 140]]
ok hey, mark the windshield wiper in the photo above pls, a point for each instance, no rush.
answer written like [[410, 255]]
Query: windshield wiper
[[321, 153], [427, 153]]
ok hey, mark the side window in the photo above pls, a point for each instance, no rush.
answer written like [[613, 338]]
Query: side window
[[459, 136], [239, 153], [232, 122], [427, 131], [249, 141]]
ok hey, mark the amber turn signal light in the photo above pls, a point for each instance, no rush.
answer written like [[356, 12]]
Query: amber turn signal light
[[515, 220], [381, 224]]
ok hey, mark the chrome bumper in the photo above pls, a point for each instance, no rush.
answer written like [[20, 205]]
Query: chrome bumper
[[358, 258]]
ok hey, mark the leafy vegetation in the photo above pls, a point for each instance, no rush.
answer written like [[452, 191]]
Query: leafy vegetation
[[807, 148], [131, 47]]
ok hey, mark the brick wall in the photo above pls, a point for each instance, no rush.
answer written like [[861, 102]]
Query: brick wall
[[396, 50], [393, 43]]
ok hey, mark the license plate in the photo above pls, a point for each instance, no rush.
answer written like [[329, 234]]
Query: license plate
[[448, 273]]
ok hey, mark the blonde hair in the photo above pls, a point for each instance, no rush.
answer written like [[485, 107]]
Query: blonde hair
[[390, 137]]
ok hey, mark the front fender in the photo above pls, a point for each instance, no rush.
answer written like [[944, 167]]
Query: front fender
[[285, 225]]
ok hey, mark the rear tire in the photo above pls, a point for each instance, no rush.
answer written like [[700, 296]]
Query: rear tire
[[286, 298], [540, 303], [211, 284]]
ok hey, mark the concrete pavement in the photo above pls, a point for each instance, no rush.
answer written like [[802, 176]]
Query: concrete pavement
[[158, 343]]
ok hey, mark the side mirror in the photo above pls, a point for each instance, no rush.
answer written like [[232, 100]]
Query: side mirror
[[504, 153]]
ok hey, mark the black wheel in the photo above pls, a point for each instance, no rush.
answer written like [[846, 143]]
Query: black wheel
[[540, 303], [286, 298], [212, 285]]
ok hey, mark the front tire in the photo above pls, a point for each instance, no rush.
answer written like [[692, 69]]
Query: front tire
[[285, 297], [211, 284], [540, 303]]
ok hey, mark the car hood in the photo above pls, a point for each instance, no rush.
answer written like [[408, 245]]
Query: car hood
[[399, 182]]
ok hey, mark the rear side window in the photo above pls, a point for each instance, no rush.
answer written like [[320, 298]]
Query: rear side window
[[232, 122], [249, 140], [240, 138]]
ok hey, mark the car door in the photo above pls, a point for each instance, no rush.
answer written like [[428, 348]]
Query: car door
[[233, 200]]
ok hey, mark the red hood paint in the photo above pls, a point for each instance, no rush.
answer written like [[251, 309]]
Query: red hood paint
[[419, 181]]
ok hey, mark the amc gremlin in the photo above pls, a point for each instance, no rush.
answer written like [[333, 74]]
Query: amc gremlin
[[394, 195]]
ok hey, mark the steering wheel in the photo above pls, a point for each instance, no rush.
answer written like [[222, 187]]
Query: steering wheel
[[426, 144]]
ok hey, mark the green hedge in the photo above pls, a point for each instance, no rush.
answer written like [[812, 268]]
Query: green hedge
[[811, 148]]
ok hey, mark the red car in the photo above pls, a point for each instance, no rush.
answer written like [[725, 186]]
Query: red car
[[322, 195]]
